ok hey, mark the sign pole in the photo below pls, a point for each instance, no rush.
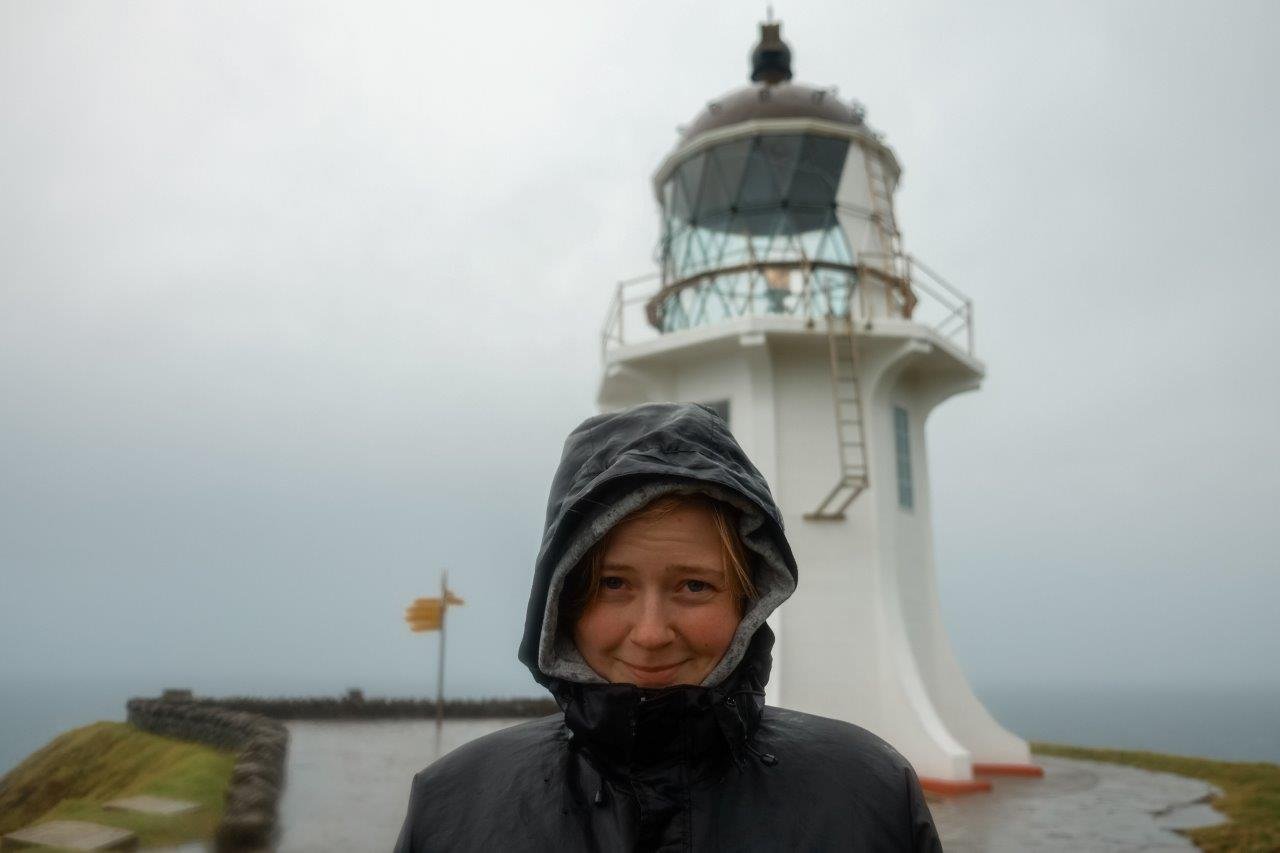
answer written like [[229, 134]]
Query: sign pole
[[444, 612]]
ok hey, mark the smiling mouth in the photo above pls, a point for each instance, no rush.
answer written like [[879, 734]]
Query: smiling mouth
[[653, 671]]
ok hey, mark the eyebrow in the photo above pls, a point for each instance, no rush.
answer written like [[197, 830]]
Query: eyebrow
[[673, 568]]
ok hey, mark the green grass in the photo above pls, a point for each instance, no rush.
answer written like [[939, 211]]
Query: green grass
[[1250, 793], [77, 771]]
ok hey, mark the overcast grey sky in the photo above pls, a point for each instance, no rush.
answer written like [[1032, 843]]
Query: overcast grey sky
[[297, 302]]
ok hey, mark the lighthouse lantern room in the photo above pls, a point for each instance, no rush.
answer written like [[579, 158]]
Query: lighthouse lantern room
[[786, 301]]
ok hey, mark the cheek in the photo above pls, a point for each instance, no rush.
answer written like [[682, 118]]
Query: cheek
[[710, 629], [599, 627]]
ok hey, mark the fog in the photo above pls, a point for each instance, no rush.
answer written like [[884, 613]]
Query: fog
[[298, 301]]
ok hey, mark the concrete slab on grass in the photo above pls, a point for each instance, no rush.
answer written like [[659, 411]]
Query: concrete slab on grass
[[147, 804], [72, 835]]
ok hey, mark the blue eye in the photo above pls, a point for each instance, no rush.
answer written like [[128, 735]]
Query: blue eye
[[611, 582], [697, 586]]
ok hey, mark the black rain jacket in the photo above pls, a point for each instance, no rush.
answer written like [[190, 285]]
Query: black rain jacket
[[685, 768]]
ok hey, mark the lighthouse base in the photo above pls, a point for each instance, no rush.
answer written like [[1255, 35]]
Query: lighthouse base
[[953, 787], [862, 639], [989, 769]]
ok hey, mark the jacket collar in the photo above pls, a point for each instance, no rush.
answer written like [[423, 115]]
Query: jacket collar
[[629, 730]]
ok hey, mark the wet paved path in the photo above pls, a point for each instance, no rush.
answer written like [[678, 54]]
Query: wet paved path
[[1078, 805], [348, 787]]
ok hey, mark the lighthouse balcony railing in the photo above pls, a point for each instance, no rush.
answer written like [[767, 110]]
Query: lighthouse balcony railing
[[877, 287]]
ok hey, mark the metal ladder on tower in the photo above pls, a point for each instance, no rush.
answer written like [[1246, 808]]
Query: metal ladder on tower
[[882, 208], [846, 393], [889, 264]]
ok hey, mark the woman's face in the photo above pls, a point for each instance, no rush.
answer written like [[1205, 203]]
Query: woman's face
[[662, 614]]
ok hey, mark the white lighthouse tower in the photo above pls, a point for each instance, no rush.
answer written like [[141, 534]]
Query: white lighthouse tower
[[786, 301]]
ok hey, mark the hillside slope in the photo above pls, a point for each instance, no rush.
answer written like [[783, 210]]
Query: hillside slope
[[79, 770]]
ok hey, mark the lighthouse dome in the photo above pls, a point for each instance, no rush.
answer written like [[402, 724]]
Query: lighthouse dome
[[771, 94], [772, 101]]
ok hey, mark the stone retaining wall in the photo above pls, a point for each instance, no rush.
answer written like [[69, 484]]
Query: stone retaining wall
[[253, 795], [251, 727], [354, 706]]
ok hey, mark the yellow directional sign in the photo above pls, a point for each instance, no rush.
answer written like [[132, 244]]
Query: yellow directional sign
[[427, 614], [425, 607]]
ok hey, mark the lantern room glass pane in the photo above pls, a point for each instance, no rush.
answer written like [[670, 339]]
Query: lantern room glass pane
[[782, 153], [731, 157], [690, 175], [817, 175], [717, 194], [759, 201], [759, 187]]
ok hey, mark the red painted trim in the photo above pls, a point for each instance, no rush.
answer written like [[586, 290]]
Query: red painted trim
[[953, 787], [1008, 769]]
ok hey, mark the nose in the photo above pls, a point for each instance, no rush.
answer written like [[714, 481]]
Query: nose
[[652, 628]]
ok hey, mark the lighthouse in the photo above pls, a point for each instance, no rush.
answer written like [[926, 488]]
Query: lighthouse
[[785, 300]]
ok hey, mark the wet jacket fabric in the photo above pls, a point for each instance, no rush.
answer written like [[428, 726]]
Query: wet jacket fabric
[[684, 768]]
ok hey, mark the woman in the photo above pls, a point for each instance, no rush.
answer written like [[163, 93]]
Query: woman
[[662, 556]]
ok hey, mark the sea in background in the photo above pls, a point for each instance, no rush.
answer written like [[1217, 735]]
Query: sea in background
[[1235, 724]]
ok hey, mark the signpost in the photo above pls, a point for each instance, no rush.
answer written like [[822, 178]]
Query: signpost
[[429, 614]]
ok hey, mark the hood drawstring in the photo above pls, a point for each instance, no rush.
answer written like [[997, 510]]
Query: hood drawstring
[[768, 759]]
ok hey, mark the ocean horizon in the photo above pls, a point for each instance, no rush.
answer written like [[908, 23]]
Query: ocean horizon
[[1231, 723]]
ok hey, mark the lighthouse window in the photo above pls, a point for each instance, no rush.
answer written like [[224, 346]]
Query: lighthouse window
[[902, 444], [721, 408]]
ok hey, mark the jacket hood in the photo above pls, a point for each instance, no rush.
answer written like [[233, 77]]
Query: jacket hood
[[614, 464]]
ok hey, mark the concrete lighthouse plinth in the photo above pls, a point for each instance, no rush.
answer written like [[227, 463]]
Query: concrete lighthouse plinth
[[862, 639]]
